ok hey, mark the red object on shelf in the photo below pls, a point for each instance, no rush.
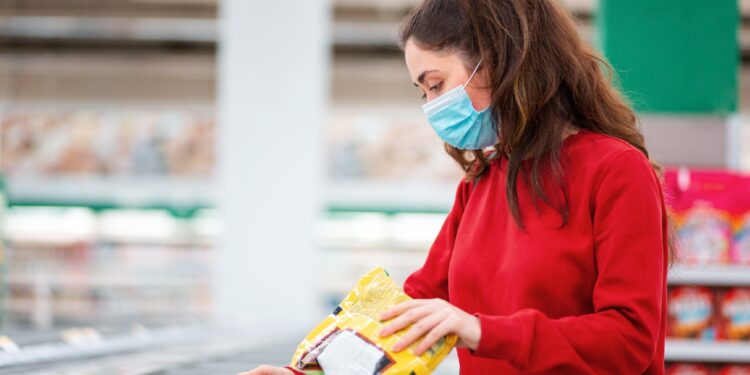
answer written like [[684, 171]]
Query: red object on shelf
[[692, 313], [734, 314], [739, 252], [734, 370], [712, 213], [688, 369], [720, 189]]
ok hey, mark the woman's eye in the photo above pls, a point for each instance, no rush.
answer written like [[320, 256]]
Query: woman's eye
[[434, 88]]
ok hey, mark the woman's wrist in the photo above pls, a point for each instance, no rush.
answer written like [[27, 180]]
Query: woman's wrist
[[473, 332]]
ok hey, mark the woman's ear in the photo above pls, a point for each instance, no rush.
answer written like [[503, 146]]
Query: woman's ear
[[479, 90], [482, 78]]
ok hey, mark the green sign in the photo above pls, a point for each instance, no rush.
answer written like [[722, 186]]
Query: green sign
[[675, 56]]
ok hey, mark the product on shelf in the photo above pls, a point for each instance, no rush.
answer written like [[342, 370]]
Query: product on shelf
[[391, 144], [41, 142], [704, 205], [104, 276], [739, 252], [705, 234], [705, 369], [734, 370], [688, 369], [691, 313], [734, 317]]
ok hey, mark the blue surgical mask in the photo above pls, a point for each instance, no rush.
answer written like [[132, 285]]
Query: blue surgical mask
[[455, 120]]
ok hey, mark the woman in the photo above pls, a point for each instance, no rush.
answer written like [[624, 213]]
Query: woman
[[553, 258]]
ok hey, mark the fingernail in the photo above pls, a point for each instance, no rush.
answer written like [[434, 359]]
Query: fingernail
[[382, 332], [396, 348]]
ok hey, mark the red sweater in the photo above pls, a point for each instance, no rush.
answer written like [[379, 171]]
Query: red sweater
[[585, 299]]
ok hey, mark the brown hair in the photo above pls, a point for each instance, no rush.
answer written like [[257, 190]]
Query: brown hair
[[542, 77]]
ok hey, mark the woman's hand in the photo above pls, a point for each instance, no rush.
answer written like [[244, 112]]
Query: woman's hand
[[433, 319], [268, 370]]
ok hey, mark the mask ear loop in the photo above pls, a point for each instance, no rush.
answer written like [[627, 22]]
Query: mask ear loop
[[474, 72]]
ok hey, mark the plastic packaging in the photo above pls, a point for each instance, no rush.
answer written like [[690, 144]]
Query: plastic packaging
[[347, 341]]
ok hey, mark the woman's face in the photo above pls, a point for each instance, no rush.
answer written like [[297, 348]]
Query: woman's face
[[437, 72]]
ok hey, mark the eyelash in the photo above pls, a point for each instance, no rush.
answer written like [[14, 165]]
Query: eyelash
[[435, 87]]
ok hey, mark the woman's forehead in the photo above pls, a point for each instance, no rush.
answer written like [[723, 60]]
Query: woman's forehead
[[419, 61]]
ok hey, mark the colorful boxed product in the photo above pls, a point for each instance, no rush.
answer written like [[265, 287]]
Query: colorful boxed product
[[734, 370], [688, 369], [739, 252], [691, 313], [704, 203], [734, 317]]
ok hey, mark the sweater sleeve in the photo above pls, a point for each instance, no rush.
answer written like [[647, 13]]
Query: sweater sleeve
[[431, 280], [622, 334]]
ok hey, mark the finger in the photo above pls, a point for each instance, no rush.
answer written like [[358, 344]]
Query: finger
[[260, 370], [404, 320], [445, 327], [402, 307], [418, 330], [267, 370]]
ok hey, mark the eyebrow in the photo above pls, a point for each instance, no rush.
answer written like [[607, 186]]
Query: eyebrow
[[420, 79]]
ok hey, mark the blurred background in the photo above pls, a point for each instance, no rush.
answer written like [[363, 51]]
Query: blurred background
[[188, 186]]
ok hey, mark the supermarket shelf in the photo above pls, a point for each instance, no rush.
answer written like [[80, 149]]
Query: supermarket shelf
[[122, 8], [174, 30], [205, 8], [184, 195], [180, 195], [390, 198], [708, 351], [61, 281], [710, 275], [110, 28], [94, 312]]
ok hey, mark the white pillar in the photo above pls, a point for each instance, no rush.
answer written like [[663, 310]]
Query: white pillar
[[273, 61]]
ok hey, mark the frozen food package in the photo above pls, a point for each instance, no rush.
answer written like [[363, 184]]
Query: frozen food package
[[347, 340]]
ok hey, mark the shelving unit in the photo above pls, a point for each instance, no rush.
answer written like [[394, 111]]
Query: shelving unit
[[180, 195], [710, 275], [685, 350], [713, 352], [77, 265], [184, 195]]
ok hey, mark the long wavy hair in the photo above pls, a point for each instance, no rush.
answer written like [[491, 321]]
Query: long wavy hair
[[542, 77]]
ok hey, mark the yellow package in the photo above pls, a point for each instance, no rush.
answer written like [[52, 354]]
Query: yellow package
[[347, 341]]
